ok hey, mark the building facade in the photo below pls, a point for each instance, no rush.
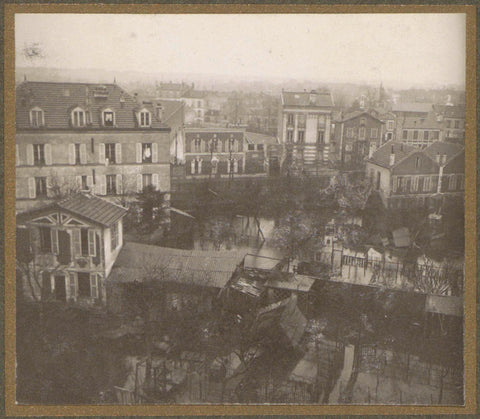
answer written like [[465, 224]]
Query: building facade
[[408, 177], [357, 135], [420, 132], [228, 153], [304, 128], [66, 250], [77, 136]]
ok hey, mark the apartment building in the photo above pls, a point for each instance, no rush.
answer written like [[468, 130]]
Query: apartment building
[[83, 136]]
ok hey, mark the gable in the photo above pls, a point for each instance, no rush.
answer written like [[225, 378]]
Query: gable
[[408, 165]]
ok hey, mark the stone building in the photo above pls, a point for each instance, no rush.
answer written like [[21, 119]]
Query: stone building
[[357, 135], [66, 249], [304, 127], [407, 176], [80, 136]]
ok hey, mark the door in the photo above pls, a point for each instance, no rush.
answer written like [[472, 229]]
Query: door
[[60, 289]]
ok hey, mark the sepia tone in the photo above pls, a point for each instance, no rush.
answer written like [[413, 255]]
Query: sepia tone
[[252, 241]]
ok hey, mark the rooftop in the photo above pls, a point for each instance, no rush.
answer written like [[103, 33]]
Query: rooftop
[[412, 107], [358, 114], [195, 267], [429, 122], [84, 205], [442, 147], [254, 138], [382, 155], [308, 99], [57, 100]]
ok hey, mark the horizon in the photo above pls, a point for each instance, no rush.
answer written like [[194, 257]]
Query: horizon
[[362, 48]]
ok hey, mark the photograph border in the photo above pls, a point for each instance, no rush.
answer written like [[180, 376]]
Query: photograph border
[[470, 335]]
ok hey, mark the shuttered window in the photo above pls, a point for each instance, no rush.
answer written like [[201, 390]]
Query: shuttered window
[[93, 286]]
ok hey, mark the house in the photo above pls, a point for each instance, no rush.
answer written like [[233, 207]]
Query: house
[[83, 136], [263, 153], [195, 100], [171, 90], [407, 176], [66, 249], [420, 131], [304, 127], [191, 279], [228, 153], [357, 135], [454, 117]]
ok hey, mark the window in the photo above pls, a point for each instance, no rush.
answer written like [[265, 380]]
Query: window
[[231, 144], [196, 166], [45, 240], [251, 147], [146, 180], [457, 124], [449, 123], [435, 135], [425, 135], [320, 137], [290, 119], [146, 152], [114, 238], [300, 136], [77, 154], [361, 133], [452, 182], [36, 118], [38, 154], [374, 133], [144, 118], [213, 145], [78, 117], [110, 152], [84, 183], [362, 121], [415, 135], [390, 125], [349, 132], [198, 145], [289, 136], [84, 241], [405, 134], [41, 187], [259, 147], [84, 284], [214, 166], [108, 118], [426, 184], [111, 184]]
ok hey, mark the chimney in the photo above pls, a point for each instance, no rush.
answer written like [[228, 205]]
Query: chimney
[[444, 158], [437, 157], [392, 156]]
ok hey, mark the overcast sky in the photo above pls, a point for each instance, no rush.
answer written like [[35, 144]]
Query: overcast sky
[[416, 48]]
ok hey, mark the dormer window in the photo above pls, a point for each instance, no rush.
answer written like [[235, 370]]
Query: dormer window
[[108, 117], [78, 117], [36, 118], [144, 118]]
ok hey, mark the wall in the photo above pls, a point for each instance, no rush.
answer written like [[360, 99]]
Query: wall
[[61, 172]]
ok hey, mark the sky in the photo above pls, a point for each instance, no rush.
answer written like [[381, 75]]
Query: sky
[[416, 48]]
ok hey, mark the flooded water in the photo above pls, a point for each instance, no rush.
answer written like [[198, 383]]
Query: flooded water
[[361, 346]]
